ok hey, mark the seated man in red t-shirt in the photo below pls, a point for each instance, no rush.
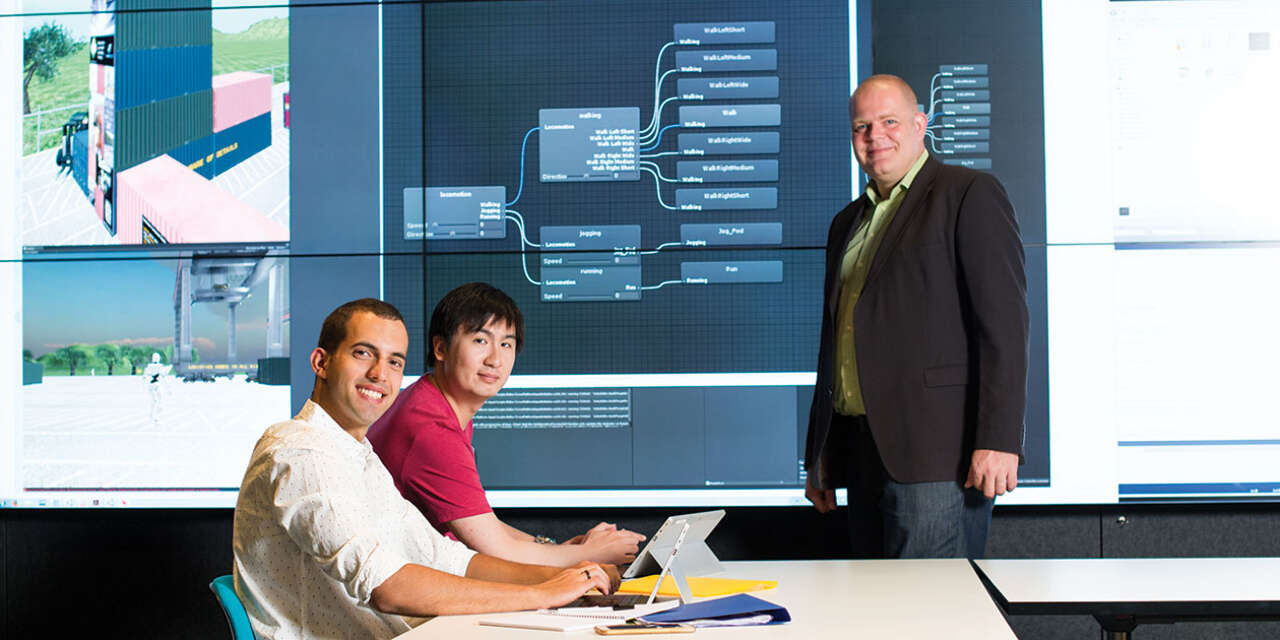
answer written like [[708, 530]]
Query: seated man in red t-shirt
[[424, 439]]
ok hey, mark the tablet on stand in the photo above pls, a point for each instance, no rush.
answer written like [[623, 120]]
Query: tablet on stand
[[679, 548]]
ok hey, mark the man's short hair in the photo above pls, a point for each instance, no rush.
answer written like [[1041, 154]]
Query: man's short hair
[[334, 329], [471, 307]]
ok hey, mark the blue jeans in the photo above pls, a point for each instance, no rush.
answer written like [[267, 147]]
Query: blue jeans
[[890, 519]]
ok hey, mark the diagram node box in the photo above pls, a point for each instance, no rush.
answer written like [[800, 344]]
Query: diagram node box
[[981, 164], [729, 143], [964, 82], [965, 147], [727, 170], [966, 108], [700, 33], [583, 145], [727, 88], [964, 121], [949, 135], [965, 94], [590, 263], [963, 69], [732, 115], [746, 233], [455, 213], [739, 272], [727, 60], [700, 199]]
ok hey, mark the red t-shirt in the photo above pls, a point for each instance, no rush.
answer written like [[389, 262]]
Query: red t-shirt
[[429, 455]]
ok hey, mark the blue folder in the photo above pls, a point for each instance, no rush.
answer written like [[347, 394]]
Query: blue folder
[[737, 606]]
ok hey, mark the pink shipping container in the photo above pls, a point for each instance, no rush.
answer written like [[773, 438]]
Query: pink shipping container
[[177, 205], [238, 97]]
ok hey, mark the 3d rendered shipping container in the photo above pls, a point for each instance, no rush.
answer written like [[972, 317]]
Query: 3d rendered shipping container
[[154, 95]]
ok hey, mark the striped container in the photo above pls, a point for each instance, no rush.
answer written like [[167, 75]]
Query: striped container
[[159, 24], [235, 145], [238, 97], [143, 76], [181, 207], [273, 371], [156, 128], [197, 156]]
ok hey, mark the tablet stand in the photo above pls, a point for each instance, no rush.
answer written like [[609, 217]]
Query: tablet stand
[[680, 559]]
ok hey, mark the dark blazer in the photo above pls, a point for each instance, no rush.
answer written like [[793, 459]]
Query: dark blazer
[[941, 332]]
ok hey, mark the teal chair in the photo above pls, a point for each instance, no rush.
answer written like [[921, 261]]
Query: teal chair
[[224, 590]]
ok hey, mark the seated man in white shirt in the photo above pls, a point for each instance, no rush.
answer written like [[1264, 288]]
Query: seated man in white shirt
[[324, 545]]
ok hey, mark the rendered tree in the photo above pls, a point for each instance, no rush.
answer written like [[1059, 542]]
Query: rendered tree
[[52, 360], [138, 357], [73, 355], [28, 356], [42, 47], [110, 355]]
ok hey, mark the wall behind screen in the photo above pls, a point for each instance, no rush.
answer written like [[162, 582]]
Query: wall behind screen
[[338, 252]]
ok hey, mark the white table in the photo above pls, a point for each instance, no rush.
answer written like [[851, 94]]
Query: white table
[[1122, 593], [926, 599]]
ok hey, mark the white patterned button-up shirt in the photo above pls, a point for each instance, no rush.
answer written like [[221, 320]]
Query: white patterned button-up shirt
[[318, 526]]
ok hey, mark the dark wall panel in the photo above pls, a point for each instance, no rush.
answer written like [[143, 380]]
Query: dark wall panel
[[107, 574], [1044, 533], [1190, 531], [114, 574]]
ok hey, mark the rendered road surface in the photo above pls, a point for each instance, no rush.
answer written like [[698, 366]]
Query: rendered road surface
[[55, 212], [98, 432]]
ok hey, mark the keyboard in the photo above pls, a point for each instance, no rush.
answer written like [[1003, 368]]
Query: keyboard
[[617, 600]]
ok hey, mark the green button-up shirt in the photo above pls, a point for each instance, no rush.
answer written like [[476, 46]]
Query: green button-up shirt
[[853, 275]]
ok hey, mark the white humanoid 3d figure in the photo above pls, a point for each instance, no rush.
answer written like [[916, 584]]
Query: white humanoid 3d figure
[[154, 374]]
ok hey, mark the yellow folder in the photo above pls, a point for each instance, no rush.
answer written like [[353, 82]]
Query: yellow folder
[[701, 587]]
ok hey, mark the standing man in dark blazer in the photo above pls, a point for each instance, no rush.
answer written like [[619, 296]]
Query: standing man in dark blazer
[[921, 387]]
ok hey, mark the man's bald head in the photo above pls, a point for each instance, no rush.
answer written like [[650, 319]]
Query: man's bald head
[[888, 81], [887, 130]]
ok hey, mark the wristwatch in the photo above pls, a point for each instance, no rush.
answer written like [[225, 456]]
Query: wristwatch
[[544, 540]]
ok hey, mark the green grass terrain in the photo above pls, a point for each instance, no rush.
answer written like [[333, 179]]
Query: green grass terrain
[[261, 46], [69, 87]]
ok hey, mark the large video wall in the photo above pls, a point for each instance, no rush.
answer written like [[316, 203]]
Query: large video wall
[[199, 182]]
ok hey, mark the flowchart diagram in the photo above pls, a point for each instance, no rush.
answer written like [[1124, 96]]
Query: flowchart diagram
[[711, 151], [959, 112]]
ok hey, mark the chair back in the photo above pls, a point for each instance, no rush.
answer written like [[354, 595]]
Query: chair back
[[224, 590]]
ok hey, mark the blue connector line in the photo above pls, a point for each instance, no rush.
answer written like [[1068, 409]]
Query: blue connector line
[[522, 146], [658, 140], [657, 187], [660, 285]]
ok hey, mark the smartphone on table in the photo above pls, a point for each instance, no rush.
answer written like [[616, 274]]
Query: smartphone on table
[[637, 627]]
